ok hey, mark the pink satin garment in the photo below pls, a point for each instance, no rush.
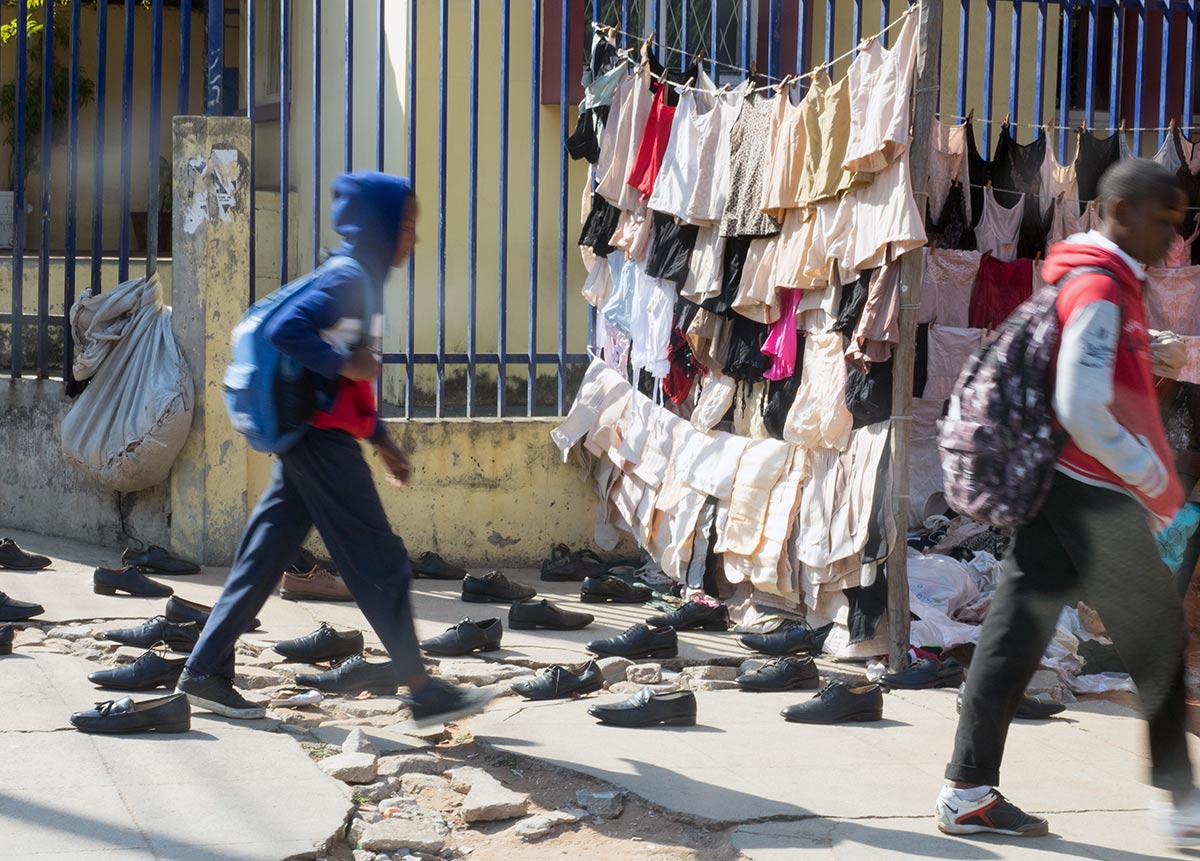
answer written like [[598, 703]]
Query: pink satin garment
[[780, 344]]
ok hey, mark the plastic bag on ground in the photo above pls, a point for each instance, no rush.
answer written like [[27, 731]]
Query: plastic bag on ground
[[130, 424]]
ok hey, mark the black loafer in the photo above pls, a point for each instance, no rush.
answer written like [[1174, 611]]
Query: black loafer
[[839, 703], [790, 638], [436, 568], [494, 587], [638, 642], [693, 615], [6, 639], [1031, 708], [180, 636], [466, 637], [649, 708], [610, 589], [150, 670], [353, 676], [556, 683], [323, 644], [12, 610], [165, 714], [159, 561], [925, 673], [13, 557], [132, 581], [564, 566], [182, 610], [782, 674], [525, 616]]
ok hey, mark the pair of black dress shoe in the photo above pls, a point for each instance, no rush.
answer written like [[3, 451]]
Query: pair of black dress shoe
[[178, 636], [16, 559], [692, 616], [1030, 708], [638, 641], [183, 610], [558, 682], [566, 565], [156, 560], [434, 567], [152, 669], [466, 637], [925, 673], [169, 714]]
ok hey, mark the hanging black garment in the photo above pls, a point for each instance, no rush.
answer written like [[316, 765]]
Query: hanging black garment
[[733, 265], [869, 395], [781, 394], [1017, 170], [1096, 155], [854, 299], [584, 142], [868, 606], [952, 232], [671, 246], [981, 171], [747, 362], [600, 226], [880, 524], [685, 312], [921, 361]]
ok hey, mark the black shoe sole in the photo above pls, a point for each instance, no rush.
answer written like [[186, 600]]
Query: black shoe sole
[[805, 685], [491, 647], [672, 652], [178, 727], [133, 689], [494, 599], [4, 567], [682, 720], [288, 595], [707, 626], [801, 650], [857, 717], [456, 578], [533, 626], [317, 659], [939, 683], [101, 589], [160, 573], [591, 598], [564, 578]]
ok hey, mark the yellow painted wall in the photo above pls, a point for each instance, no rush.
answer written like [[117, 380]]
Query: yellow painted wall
[[140, 135]]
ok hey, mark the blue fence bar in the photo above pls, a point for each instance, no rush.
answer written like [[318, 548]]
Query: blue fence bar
[[1114, 87], [1140, 75], [885, 18], [712, 41], [804, 16], [97, 282], [349, 98], [1163, 77], [45, 157], [830, 29], [1039, 78], [857, 23], [684, 59], [126, 142], [18, 293], [152, 197], [214, 75], [251, 97], [535, 136], [443, 42], [1089, 101], [564, 110], [380, 65], [1189, 84], [72, 188], [989, 68], [473, 210], [316, 93], [185, 56], [744, 36], [502, 214], [285, 99], [774, 31], [1014, 75], [964, 24], [411, 297], [1064, 84]]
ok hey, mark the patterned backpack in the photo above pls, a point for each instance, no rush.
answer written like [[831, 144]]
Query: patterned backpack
[[997, 442]]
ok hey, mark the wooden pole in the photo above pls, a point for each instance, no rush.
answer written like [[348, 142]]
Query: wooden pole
[[912, 264]]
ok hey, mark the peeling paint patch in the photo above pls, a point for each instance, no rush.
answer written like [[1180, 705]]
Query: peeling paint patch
[[498, 540], [215, 185]]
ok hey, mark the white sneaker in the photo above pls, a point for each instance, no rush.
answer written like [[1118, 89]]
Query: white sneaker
[[1178, 824], [992, 814]]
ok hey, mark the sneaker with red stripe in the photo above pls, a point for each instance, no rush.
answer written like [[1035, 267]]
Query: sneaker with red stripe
[[992, 814]]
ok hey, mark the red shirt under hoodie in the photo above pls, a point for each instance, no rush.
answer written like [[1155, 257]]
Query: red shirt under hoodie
[[1104, 393]]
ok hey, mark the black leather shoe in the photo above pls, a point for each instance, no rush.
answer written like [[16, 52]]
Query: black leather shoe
[[527, 615], [6, 639], [782, 674], [494, 587], [323, 644], [436, 568], [610, 589], [440, 703], [13, 557], [353, 676], [638, 642], [649, 708], [182, 610], [180, 636], [149, 671], [12, 610], [1031, 708], [158, 561], [564, 565], [925, 673], [132, 581], [790, 638], [839, 703], [218, 695], [466, 637], [693, 615], [164, 714], [556, 683]]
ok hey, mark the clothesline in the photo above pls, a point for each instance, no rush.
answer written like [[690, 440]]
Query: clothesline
[[789, 80], [1053, 127], [1042, 196]]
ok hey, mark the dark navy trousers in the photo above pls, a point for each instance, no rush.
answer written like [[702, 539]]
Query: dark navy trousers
[[322, 481]]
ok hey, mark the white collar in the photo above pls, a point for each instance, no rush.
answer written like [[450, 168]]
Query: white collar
[[1095, 237]]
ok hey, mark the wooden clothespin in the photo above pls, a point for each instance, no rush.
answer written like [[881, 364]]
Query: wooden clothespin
[[933, 246], [1083, 125], [989, 184], [754, 68], [970, 116], [787, 79], [1007, 120], [1171, 127]]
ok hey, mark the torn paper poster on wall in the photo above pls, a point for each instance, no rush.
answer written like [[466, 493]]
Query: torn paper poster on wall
[[217, 191]]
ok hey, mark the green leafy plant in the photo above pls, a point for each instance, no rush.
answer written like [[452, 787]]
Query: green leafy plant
[[60, 81]]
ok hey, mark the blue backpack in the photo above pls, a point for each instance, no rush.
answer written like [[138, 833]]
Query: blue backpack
[[270, 396]]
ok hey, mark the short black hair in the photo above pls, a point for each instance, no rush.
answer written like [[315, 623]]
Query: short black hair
[[1137, 181]]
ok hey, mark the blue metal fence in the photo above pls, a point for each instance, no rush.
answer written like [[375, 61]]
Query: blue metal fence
[[1131, 62]]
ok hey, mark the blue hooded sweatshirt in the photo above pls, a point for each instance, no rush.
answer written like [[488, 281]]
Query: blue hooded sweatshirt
[[343, 308]]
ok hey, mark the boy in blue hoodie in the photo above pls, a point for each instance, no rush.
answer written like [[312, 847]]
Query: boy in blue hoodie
[[333, 328]]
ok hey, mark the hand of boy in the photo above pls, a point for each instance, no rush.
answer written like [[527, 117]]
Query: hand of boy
[[395, 461], [362, 365]]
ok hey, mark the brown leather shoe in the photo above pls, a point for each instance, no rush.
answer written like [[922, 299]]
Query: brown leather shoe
[[317, 585]]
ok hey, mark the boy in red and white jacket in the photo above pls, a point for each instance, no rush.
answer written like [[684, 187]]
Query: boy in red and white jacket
[[1094, 539]]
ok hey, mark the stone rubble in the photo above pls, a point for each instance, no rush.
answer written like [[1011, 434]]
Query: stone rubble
[[614, 669], [357, 742], [644, 674], [488, 800], [539, 825], [350, 767], [606, 805]]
